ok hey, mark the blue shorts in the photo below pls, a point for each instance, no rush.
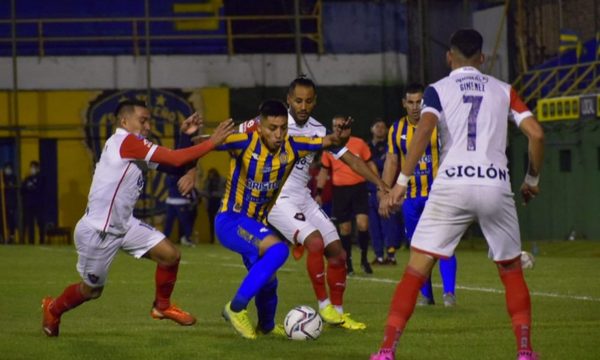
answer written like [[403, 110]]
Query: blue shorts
[[241, 234], [412, 208]]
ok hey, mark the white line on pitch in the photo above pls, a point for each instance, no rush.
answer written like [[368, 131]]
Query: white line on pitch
[[489, 290]]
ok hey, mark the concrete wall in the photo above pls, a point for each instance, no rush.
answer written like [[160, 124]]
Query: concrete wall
[[240, 71]]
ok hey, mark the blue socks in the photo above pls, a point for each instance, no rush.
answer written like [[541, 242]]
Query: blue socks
[[266, 305], [259, 274], [448, 273]]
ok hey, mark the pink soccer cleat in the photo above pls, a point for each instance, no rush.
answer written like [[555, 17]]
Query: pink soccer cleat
[[383, 354], [527, 355]]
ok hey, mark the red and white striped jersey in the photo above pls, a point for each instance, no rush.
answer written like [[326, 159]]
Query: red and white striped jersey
[[473, 110]]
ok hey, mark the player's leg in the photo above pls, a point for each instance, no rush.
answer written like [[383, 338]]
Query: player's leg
[[448, 274], [186, 216], [360, 207], [412, 208], [444, 220], [266, 307], [170, 217], [94, 259], [342, 212], [498, 221], [394, 233], [294, 218], [263, 252], [142, 240], [376, 229]]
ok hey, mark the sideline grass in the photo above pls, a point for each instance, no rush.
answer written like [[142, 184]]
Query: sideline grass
[[564, 284]]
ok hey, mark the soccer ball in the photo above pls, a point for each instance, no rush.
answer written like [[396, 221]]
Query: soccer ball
[[303, 323], [527, 260]]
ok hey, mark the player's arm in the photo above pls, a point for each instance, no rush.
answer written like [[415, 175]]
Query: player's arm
[[340, 135], [527, 123], [535, 134], [368, 170], [137, 148], [390, 165]]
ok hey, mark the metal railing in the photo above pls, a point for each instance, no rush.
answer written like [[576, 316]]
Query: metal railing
[[564, 80], [135, 38]]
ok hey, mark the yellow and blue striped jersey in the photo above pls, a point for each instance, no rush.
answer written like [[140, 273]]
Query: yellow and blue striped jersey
[[399, 138], [256, 175]]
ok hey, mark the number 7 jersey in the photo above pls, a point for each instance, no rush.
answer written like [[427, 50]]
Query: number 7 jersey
[[473, 111]]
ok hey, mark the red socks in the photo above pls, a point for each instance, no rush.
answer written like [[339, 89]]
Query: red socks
[[402, 306], [70, 298], [165, 278], [518, 305], [336, 279], [315, 265]]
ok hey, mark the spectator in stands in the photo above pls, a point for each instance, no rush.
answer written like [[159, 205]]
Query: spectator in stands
[[214, 188], [32, 192], [8, 212], [350, 196]]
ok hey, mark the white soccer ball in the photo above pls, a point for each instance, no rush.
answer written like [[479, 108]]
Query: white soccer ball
[[527, 260], [303, 323]]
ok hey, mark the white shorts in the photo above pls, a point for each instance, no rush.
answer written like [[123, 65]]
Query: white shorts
[[96, 253], [296, 218], [451, 209]]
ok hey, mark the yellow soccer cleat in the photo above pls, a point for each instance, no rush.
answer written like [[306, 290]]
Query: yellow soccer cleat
[[351, 324], [330, 315], [277, 331], [240, 322]]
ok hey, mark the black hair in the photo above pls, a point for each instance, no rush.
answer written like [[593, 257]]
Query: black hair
[[378, 120], [467, 41], [272, 107], [301, 80], [127, 107], [34, 162], [414, 88]]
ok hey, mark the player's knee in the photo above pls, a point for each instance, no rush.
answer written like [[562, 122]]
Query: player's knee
[[314, 243], [337, 258], [91, 293]]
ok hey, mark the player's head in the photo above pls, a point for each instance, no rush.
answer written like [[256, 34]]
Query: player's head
[[133, 116], [301, 98], [379, 128], [412, 101], [273, 124], [465, 48]]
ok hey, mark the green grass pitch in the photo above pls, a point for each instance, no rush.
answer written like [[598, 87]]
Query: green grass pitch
[[565, 290]]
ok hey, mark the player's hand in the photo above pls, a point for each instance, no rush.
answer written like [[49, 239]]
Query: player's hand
[[187, 182], [222, 131], [192, 124], [528, 192], [392, 201]]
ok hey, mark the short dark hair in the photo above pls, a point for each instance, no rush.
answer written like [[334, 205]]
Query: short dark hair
[[272, 107], [467, 41], [378, 120], [127, 107], [301, 80], [414, 88]]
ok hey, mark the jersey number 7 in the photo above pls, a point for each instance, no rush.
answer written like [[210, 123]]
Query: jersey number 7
[[472, 120]]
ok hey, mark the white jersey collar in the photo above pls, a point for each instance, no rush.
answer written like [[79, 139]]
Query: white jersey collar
[[465, 69]]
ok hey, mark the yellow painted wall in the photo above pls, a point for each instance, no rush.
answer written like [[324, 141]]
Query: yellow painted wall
[[61, 115]]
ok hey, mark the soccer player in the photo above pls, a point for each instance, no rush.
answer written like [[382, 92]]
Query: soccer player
[[108, 223], [303, 223], [471, 111], [262, 160], [419, 185]]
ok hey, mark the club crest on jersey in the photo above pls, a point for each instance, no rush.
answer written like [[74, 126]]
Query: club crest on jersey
[[283, 158], [300, 217], [168, 109], [93, 278]]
